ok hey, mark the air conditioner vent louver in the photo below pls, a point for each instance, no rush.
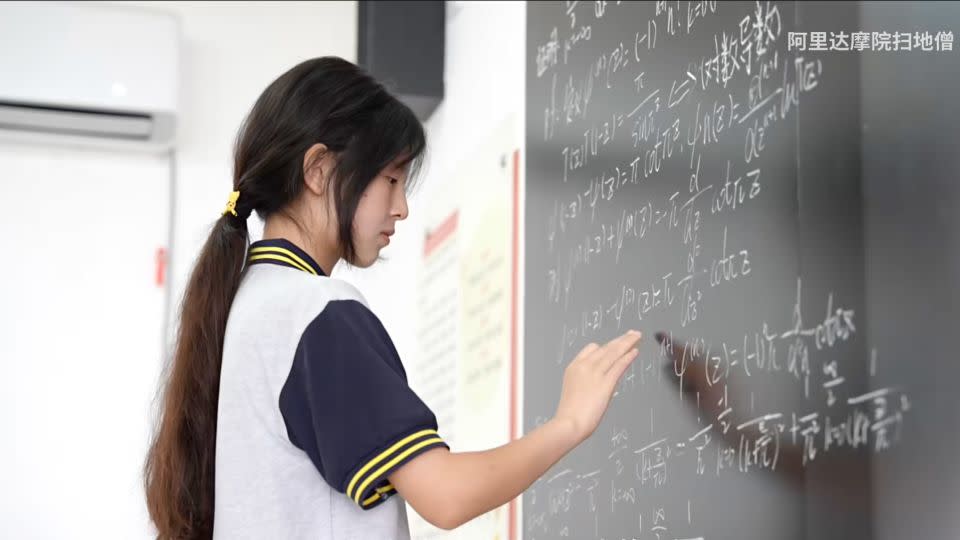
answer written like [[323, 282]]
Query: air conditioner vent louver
[[73, 121]]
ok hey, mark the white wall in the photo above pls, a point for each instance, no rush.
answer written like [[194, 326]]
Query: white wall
[[80, 337]]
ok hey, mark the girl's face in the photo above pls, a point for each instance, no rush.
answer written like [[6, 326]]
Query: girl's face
[[382, 205]]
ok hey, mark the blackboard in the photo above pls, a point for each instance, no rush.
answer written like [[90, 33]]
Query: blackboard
[[782, 211]]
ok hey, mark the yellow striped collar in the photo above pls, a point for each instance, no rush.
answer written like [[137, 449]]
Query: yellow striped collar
[[283, 253]]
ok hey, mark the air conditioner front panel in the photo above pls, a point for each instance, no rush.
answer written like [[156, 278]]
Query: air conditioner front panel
[[89, 55]]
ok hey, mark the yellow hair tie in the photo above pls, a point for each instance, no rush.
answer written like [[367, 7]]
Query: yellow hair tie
[[231, 204]]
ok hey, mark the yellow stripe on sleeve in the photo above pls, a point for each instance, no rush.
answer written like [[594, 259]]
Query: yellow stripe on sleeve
[[393, 462], [382, 456], [376, 496]]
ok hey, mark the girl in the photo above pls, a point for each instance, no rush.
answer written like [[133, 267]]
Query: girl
[[286, 411]]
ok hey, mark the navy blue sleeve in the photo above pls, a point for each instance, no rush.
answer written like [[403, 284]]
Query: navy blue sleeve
[[347, 404]]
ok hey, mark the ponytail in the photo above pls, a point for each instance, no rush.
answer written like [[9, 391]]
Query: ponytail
[[179, 469]]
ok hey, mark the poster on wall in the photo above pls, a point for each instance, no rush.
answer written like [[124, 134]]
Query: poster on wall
[[467, 298], [433, 371]]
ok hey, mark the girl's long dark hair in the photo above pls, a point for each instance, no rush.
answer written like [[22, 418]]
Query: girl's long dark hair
[[324, 100]]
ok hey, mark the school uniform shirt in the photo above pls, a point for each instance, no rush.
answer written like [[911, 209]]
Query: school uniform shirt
[[314, 409]]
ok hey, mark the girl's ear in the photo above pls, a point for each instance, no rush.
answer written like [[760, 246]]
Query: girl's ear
[[317, 166]]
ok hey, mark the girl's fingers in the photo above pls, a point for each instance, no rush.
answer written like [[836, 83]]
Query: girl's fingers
[[619, 347], [619, 366], [586, 351]]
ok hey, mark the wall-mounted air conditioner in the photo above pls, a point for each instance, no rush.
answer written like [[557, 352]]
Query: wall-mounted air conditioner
[[89, 74]]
